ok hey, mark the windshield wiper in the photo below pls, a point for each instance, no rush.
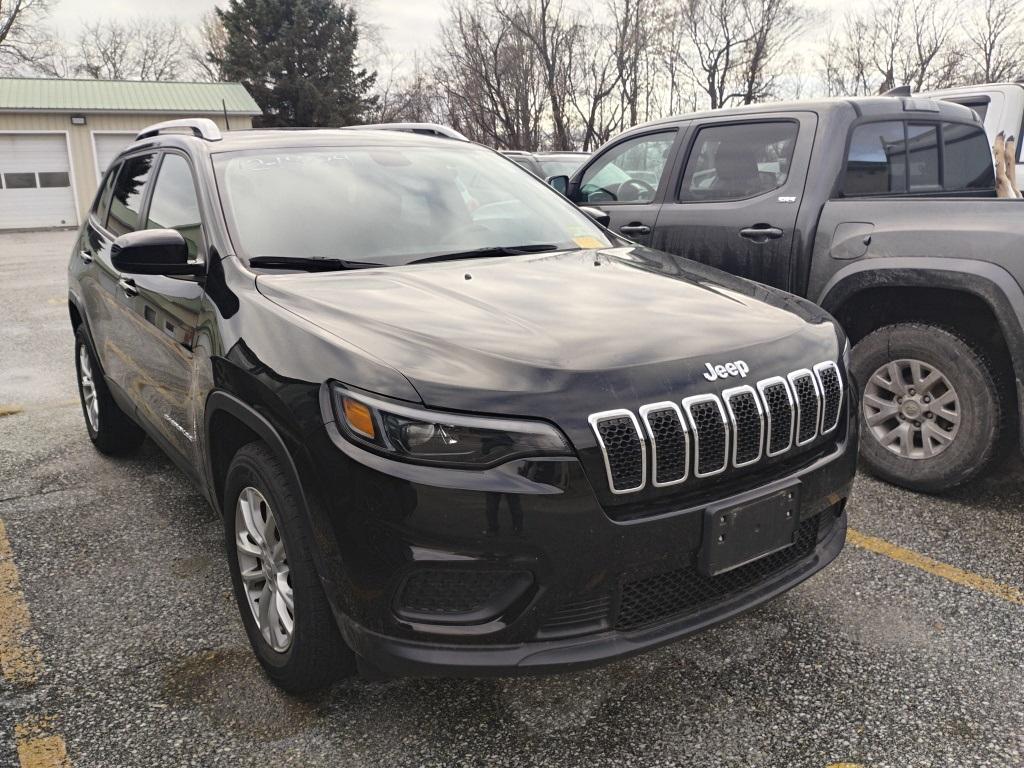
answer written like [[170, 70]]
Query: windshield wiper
[[494, 250], [308, 264]]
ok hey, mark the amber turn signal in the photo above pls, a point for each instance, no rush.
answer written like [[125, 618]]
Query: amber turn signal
[[358, 417]]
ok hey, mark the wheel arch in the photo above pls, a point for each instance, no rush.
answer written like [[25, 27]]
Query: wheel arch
[[980, 299]]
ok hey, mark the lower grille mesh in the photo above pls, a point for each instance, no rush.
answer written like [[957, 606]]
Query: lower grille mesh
[[445, 591], [677, 593]]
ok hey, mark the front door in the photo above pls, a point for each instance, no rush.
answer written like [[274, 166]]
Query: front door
[[735, 204], [627, 181]]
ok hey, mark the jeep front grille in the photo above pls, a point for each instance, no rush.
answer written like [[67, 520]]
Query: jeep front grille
[[712, 432]]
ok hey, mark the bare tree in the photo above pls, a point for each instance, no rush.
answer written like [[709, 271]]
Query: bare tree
[[141, 49], [23, 39], [994, 44], [598, 112], [206, 48], [770, 27]]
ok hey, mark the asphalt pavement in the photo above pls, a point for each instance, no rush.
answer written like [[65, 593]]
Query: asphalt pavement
[[908, 651]]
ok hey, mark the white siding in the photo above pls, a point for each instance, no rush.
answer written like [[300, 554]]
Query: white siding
[[107, 147], [35, 172]]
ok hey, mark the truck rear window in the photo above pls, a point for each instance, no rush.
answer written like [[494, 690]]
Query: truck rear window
[[896, 157]]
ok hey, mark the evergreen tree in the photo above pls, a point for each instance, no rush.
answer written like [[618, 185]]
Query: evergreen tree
[[298, 60]]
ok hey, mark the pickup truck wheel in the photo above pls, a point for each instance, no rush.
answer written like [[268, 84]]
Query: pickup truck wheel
[[283, 606], [931, 411], [110, 429]]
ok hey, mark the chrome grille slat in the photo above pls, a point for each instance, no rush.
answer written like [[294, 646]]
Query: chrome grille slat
[[712, 433], [670, 443]]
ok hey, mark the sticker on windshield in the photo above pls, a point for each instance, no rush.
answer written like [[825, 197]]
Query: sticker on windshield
[[588, 241]]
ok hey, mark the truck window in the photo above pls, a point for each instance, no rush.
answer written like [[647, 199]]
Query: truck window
[[967, 161], [99, 208], [175, 204], [732, 162], [629, 172], [877, 161], [923, 157]]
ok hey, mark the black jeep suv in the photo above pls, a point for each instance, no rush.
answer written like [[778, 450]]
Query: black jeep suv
[[452, 425]]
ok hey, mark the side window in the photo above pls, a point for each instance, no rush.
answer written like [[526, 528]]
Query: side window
[[923, 157], [877, 161], [174, 204], [629, 172], [733, 162], [102, 204], [967, 158], [129, 191]]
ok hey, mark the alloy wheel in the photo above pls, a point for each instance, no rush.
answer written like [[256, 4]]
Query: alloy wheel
[[911, 408], [89, 398], [263, 564]]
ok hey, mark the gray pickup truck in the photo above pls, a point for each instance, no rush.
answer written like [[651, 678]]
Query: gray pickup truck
[[883, 211]]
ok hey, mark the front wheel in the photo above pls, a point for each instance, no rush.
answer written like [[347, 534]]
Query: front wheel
[[931, 410], [283, 606]]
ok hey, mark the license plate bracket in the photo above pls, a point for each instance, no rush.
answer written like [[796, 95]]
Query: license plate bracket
[[735, 535]]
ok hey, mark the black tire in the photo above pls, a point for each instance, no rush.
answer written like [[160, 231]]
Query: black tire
[[114, 434], [975, 382], [317, 656]]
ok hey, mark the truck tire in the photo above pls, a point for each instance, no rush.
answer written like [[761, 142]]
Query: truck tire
[[286, 615], [931, 412], [110, 429]]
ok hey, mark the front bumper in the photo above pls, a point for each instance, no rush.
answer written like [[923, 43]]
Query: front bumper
[[595, 587]]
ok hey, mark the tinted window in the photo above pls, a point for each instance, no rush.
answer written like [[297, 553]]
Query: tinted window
[[174, 204], [923, 157], [391, 205], [732, 162], [129, 190], [629, 172], [99, 210], [20, 180], [877, 161], [967, 162]]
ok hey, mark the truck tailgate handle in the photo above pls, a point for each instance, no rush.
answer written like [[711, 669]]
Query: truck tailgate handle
[[761, 233]]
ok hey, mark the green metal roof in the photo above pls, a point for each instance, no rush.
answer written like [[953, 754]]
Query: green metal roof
[[46, 95]]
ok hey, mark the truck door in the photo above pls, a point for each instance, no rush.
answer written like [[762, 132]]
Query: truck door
[[628, 182], [734, 205]]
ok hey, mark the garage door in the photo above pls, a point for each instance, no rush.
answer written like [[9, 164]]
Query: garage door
[[35, 181], [107, 147]]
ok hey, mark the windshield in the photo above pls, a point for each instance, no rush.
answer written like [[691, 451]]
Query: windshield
[[391, 205]]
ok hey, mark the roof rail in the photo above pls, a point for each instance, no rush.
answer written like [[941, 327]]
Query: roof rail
[[201, 127], [427, 129]]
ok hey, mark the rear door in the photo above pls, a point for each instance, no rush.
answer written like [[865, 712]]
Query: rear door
[[735, 199], [627, 180]]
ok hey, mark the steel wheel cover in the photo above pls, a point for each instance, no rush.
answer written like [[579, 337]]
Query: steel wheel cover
[[263, 565], [911, 408]]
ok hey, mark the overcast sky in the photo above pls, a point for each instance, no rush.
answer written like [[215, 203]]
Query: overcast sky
[[407, 25]]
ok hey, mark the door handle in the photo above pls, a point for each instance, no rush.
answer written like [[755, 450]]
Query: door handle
[[128, 286], [761, 233], [635, 229], [85, 256]]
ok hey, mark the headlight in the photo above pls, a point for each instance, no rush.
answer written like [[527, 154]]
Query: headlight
[[433, 437]]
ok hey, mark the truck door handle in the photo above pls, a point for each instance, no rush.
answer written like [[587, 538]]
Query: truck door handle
[[85, 256], [761, 233], [635, 229], [128, 286]]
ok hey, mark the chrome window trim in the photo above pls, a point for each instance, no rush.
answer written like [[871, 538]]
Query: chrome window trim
[[688, 403], [761, 387], [597, 418], [645, 412], [821, 389], [727, 396], [796, 400]]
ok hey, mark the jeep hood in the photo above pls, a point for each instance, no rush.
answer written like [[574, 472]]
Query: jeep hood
[[525, 335]]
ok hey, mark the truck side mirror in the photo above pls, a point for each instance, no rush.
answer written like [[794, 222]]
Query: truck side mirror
[[597, 215], [153, 252], [559, 183]]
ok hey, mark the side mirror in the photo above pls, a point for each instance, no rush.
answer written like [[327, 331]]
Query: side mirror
[[153, 252], [559, 183], [597, 215]]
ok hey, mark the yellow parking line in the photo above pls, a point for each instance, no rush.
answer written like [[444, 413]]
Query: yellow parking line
[[935, 567], [19, 659], [10, 410], [38, 748]]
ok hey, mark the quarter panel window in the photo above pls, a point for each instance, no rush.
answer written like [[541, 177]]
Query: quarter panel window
[[99, 210], [734, 162], [129, 192], [174, 204], [629, 172], [967, 160], [877, 160]]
